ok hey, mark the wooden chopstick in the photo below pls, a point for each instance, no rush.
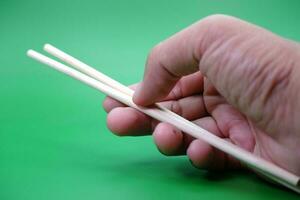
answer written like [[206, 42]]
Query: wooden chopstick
[[86, 69], [116, 90], [90, 71]]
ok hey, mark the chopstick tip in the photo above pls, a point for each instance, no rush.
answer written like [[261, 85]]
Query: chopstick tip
[[29, 52], [47, 46]]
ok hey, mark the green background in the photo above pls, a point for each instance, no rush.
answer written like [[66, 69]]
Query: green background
[[54, 143]]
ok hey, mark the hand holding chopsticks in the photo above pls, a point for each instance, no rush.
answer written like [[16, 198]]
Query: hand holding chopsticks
[[116, 90]]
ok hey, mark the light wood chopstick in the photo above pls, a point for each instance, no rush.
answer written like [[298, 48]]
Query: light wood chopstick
[[122, 93], [90, 71]]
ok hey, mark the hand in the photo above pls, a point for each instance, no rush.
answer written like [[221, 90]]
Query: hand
[[230, 77]]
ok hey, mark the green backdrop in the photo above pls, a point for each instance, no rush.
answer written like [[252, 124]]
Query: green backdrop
[[54, 143]]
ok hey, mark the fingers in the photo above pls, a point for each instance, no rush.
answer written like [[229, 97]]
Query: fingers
[[204, 156], [186, 86], [171, 141], [200, 153], [125, 121], [191, 107]]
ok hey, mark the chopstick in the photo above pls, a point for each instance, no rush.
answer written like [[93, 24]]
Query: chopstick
[[116, 90], [90, 71]]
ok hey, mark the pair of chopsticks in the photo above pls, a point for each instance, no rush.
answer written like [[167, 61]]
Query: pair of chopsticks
[[120, 92]]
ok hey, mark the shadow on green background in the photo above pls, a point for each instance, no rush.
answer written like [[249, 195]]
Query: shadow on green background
[[53, 140]]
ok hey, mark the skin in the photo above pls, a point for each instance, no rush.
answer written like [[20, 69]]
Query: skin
[[235, 79]]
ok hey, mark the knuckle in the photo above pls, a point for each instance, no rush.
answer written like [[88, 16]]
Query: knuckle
[[177, 92], [217, 18], [176, 107], [219, 23]]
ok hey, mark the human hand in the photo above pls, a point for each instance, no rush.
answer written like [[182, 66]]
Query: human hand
[[230, 77]]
